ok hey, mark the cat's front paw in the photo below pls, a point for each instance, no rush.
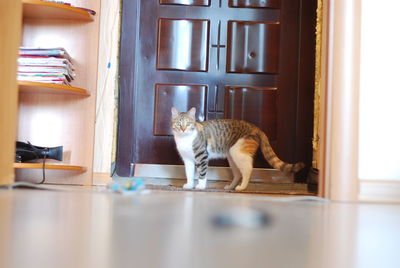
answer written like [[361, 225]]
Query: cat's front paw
[[200, 186], [229, 187], [240, 188], [188, 186]]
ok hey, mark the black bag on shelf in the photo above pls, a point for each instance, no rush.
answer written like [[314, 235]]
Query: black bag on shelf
[[27, 152]]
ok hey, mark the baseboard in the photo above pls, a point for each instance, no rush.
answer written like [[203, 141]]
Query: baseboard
[[379, 191], [213, 174], [100, 178]]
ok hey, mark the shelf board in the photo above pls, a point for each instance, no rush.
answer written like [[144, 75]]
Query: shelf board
[[49, 166], [37, 87], [46, 10]]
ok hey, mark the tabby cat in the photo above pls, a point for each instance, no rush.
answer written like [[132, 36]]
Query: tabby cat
[[237, 140]]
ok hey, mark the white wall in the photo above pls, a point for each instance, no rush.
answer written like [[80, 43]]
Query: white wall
[[107, 85], [379, 132]]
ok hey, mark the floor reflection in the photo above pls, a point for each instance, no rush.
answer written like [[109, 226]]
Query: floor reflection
[[178, 229]]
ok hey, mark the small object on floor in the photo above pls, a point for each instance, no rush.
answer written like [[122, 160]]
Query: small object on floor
[[241, 217], [130, 186]]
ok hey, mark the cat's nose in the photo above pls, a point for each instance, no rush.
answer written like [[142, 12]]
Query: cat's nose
[[183, 129]]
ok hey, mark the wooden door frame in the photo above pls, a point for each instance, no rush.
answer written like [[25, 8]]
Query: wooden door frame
[[340, 72], [340, 96]]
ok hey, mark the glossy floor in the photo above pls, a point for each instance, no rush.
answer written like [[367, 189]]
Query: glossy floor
[[93, 228]]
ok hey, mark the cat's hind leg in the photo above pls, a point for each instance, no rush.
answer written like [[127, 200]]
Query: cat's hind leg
[[236, 175], [242, 153]]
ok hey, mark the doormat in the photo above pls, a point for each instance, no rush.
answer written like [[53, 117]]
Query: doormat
[[270, 189]]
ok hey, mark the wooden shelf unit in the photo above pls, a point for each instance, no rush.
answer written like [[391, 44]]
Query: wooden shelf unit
[[37, 87], [49, 166], [39, 9], [57, 115], [10, 32]]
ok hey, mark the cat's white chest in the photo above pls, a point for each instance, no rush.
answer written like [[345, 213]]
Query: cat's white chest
[[184, 144]]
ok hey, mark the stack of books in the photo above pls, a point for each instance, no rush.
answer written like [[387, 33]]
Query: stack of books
[[45, 65]]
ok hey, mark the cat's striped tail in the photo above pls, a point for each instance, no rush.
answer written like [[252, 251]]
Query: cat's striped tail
[[273, 159]]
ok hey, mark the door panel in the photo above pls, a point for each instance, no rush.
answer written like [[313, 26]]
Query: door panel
[[254, 3], [255, 105], [253, 47], [229, 59], [186, 2], [183, 45]]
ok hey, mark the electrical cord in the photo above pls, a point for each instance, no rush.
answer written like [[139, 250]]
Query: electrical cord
[[44, 168]]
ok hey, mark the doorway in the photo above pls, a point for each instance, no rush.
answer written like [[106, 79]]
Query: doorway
[[251, 60]]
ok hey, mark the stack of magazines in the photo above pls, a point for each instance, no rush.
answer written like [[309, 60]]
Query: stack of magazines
[[45, 65]]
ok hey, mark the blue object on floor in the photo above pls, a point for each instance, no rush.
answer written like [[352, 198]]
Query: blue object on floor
[[130, 186]]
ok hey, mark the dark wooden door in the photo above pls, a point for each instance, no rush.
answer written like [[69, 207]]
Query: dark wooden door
[[242, 59]]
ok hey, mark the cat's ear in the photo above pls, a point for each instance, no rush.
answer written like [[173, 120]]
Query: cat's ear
[[192, 113], [174, 112]]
